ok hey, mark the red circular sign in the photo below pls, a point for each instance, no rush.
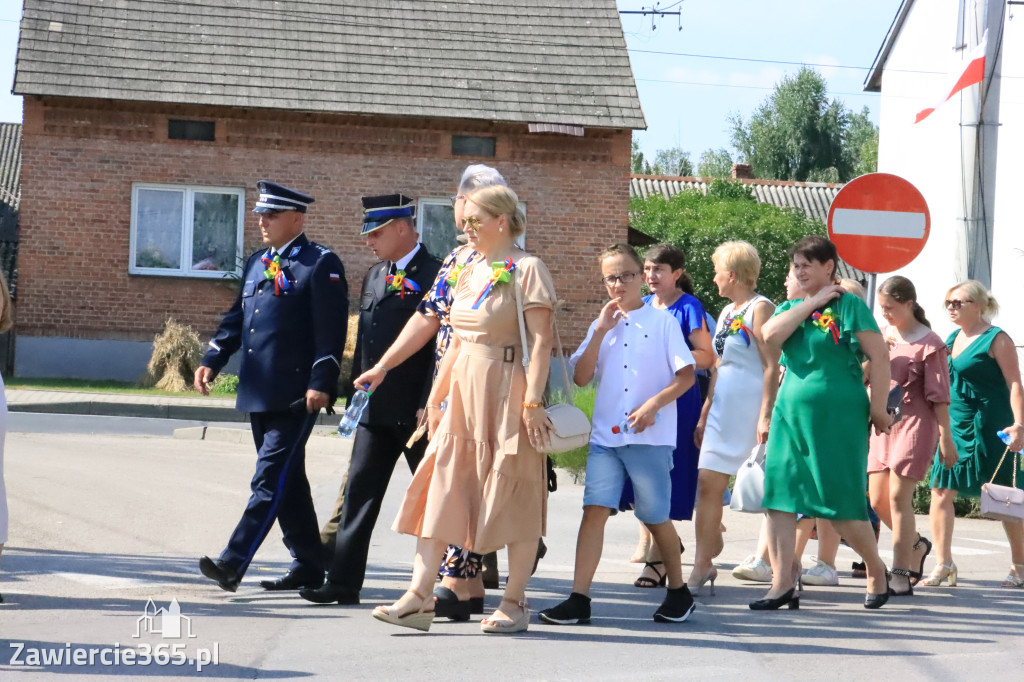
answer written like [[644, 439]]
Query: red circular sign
[[879, 222]]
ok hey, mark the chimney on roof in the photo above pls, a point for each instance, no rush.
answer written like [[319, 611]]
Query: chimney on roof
[[742, 171]]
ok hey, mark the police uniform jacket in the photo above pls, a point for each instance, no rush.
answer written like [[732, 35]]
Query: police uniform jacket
[[291, 342], [382, 315]]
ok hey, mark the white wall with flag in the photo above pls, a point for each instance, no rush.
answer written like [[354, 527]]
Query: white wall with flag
[[928, 49]]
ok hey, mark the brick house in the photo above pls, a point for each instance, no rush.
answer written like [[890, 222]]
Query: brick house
[[146, 125]]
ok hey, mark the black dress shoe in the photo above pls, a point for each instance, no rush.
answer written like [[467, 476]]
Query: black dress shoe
[[220, 572], [294, 580], [790, 599], [330, 593]]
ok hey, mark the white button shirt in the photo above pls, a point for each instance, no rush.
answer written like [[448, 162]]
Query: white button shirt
[[638, 358]]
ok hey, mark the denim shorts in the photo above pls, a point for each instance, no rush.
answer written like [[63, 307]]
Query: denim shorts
[[648, 466]]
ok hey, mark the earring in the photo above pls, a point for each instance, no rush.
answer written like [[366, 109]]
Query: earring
[[501, 229]]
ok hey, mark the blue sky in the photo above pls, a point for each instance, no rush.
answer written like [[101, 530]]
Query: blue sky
[[687, 99]]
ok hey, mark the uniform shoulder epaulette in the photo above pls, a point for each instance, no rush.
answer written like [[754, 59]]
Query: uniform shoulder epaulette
[[321, 248]]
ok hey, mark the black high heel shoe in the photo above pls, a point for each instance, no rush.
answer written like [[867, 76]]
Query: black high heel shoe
[[791, 598], [908, 574], [877, 601]]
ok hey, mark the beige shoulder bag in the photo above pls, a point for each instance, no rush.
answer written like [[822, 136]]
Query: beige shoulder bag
[[570, 426]]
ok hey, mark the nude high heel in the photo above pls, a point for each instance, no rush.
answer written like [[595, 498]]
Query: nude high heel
[[1015, 578], [417, 620], [940, 573]]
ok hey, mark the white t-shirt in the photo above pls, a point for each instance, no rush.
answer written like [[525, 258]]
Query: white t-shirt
[[638, 358]]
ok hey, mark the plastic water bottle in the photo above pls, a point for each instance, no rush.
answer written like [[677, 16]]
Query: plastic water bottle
[[623, 426], [354, 412], [1005, 437]]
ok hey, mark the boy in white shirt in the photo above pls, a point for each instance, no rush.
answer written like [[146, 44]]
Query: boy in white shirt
[[640, 356]]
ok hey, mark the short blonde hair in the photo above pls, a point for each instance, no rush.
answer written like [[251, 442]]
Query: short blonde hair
[[854, 287], [741, 258], [978, 293], [499, 200]]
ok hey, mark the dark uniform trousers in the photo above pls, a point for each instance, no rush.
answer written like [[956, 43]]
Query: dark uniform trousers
[[280, 490], [375, 452], [390, 416], [290, 343]]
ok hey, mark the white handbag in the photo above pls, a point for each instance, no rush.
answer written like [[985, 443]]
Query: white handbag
[[1000, 502], [748, 491], [570, 425]]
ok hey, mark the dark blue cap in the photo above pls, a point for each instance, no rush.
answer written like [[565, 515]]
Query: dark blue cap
[[275, 197], [381, 210]]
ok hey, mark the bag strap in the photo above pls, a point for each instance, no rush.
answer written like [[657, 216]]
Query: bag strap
[[1015, 467], [569, 387]]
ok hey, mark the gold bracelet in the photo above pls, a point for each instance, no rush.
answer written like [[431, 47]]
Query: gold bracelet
[[532, 406], [428, 406]]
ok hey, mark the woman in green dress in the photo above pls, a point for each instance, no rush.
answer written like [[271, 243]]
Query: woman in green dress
[[816, 462], [985, 397]]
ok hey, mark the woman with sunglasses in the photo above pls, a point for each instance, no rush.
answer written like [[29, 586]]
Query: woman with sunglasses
[[985, 397]]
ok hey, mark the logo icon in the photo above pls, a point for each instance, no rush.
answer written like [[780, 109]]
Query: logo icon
[[168, 622]]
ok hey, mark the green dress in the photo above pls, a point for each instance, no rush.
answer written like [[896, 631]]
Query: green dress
[[979, 406], [817, 452]]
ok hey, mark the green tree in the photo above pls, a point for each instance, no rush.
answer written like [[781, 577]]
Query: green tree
[[673, 161], [796, 132], [698, 223], [715, 163], [861, 144], [637, 164]]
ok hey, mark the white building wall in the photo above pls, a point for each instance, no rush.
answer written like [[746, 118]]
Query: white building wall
[[928, 154]]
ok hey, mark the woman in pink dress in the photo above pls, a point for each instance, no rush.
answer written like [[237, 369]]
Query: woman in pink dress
[[899, 460]]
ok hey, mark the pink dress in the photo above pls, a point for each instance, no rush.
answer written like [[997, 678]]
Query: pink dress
[[922, 369]]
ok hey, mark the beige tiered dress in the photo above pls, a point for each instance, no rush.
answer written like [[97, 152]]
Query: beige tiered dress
[[481, 485]]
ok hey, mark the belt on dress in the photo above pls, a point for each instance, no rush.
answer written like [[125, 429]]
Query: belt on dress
[[508, 429]]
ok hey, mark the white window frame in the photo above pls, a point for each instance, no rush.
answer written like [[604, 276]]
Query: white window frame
[[438, 201], [188, 199]]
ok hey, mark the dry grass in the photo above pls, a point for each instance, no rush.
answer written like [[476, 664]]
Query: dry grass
[[344, 385], [177, 351]]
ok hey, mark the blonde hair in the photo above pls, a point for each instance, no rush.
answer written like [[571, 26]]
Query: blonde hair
[[499, 200], [977, 292], [854, 287], [741, 258], [6, 318]]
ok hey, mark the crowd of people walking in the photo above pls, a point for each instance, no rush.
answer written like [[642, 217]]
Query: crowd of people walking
[[851, 416]]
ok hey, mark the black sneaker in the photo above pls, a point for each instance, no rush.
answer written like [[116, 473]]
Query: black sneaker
[[677, 607], [574, 610]]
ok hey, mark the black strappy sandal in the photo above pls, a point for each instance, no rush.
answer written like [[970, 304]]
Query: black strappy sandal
[[915, 576], [647, 582]]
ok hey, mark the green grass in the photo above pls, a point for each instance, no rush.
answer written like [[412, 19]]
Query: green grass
[[90, 385], [575, 461]]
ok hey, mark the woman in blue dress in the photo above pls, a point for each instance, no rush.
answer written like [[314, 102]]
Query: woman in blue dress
[[665, 274]]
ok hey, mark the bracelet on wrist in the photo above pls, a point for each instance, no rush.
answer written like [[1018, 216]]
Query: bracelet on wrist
[[1018, 424], [532, 406], [381, 367], [429, 406]]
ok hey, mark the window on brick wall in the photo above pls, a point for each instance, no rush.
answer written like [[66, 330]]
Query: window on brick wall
[[435, 221], [186, 231]]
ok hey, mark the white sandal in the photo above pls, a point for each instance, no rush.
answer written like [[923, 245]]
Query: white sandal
[[504, 626], [1015, 578]]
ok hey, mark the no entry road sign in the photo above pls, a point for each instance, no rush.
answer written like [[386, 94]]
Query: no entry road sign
[[879, 222]]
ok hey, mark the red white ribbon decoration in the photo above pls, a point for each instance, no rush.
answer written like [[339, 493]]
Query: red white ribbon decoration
[[973, 73]]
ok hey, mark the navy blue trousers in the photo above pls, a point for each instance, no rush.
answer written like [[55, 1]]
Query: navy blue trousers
[[280, 491]]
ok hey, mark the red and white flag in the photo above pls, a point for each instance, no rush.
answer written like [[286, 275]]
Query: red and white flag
[[973, 73]]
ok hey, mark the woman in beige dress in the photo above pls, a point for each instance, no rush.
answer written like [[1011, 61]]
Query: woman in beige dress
[[482, 484]]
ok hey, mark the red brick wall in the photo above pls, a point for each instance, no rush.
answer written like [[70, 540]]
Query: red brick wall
[[80, 159]]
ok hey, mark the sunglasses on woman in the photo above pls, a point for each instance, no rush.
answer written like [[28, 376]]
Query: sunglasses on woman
[[956, 304]]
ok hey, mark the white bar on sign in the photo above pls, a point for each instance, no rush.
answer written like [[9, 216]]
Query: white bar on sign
[[865, 223]]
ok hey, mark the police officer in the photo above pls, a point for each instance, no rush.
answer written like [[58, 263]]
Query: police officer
[[289, 321], [392, 289]]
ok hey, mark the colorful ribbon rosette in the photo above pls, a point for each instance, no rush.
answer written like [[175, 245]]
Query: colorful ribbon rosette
[[500, 272], [826, 322], [402, 284], [275, 273], [445, 285], [736, 325]]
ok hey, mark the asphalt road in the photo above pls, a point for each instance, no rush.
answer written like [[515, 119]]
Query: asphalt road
[[102, 521]]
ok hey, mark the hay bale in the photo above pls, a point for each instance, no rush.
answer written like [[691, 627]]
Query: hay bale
[[177, 352]]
